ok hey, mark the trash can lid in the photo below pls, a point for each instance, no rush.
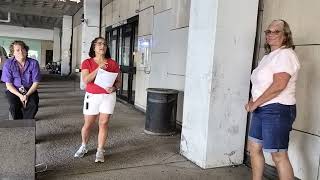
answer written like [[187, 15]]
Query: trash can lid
[[162, 91]]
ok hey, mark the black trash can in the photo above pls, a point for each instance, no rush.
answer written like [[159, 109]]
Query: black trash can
[[161, 111]]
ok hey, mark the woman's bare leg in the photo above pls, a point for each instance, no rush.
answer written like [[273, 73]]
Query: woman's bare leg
[[257, 160]]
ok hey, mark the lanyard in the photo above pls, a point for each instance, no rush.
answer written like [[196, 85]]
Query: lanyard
[[21, 74]]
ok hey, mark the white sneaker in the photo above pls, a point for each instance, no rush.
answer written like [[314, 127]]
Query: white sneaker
[[100, 156], [81, 151]]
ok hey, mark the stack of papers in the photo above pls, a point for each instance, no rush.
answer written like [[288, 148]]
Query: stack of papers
[[105, 79]]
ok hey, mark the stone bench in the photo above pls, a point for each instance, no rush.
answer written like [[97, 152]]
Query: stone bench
[[17, 149]]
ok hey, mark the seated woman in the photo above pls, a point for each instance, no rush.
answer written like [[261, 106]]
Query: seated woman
[[22, 76]]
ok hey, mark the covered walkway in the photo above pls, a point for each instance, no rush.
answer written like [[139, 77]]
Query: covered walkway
[[130, 154]]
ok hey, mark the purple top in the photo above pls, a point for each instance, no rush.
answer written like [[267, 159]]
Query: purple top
[[30, 74]]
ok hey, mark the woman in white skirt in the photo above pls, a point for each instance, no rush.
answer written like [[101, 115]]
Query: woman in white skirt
[[98, 101]]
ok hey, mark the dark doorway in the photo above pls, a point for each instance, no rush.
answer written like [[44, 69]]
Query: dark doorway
[[49, 56], [123, 41]]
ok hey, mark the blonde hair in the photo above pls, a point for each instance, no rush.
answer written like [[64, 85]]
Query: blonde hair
[[288, 40]]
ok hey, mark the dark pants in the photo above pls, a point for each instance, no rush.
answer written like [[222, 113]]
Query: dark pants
[[16, 108]]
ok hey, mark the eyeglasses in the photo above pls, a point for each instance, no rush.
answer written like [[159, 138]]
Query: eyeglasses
[[101, 43], [269, 32]]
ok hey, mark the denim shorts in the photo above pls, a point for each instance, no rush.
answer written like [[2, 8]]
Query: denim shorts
[[271, 125]]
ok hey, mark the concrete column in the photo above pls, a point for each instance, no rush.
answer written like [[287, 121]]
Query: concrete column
[[90, 27], [220, 51], [56, 45], [66, 44]]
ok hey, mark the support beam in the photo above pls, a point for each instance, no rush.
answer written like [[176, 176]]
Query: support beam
[[66, 44], [56, 45], [222, 36], [91, 30], [30, 25], [28, 33], [33, 11]]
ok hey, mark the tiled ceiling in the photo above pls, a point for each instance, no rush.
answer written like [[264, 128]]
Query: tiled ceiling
[[37, 13]]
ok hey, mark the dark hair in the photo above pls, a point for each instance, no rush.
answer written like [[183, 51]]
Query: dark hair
[[288, 40], [92, 53], [20, 43]]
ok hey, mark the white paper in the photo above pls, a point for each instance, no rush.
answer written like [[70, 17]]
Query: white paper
[[105, 79]]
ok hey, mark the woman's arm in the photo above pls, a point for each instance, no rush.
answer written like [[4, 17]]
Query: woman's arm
[[117, 83], [88, 77], [280, 81]]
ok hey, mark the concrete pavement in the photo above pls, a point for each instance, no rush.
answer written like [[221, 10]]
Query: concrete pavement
[[130, 154]]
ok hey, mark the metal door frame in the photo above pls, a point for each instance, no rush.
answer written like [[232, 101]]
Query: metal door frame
[[130, 70]]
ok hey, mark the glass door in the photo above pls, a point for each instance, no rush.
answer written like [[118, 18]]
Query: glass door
[[122, 42], [112, 38], [127, 67]]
